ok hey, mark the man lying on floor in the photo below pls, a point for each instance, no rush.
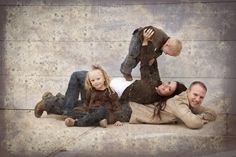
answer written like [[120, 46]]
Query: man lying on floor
[[185, 106]]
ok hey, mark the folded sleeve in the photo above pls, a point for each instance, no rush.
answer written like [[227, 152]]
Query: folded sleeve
[[183, 112]]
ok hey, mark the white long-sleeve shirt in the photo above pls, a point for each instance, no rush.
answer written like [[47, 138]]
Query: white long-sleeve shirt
[[119, 85]]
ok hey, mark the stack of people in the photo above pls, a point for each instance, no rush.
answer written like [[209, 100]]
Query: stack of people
[[105, 101]]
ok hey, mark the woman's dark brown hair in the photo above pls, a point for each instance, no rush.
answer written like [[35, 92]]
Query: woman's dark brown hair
[[160, 105]]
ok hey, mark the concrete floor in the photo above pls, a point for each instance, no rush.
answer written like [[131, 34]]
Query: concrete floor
[[24, 135]]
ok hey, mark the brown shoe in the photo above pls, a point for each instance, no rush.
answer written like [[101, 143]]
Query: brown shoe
[[103, 123], [128, 77], [69, 122], [39, 108]]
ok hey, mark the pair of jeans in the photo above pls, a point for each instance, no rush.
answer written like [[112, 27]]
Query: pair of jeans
[[55, 105], [75, 87], [61, 104], [132, 59]]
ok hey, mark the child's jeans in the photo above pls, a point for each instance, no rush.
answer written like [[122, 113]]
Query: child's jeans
[[131, 60]]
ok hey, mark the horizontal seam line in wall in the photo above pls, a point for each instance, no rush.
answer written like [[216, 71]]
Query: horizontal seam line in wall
[[92, 41], [180, 77], [119, 4], [60, 41], [16, 109], [1, 75], [135, 77]]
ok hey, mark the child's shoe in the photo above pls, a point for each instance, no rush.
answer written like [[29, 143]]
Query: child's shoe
[[103, 123], [69, 122]]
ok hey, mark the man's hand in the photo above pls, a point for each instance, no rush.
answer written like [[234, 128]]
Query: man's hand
[[205, 121], [147, 34]]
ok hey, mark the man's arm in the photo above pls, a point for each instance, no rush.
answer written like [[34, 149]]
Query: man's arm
[[205, 113], [183, 112]]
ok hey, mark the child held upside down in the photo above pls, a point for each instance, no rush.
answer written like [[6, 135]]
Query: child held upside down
[[101, 101], [158, 43]]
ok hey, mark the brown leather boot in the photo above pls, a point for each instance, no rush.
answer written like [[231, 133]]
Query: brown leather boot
[[69, 122], [40, 106]]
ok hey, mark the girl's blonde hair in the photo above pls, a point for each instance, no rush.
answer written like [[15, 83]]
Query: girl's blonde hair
[[88, 84]]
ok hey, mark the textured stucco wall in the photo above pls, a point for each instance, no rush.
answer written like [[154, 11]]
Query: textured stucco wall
[[43, 42]]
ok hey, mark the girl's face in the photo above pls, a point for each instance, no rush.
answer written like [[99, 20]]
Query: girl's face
[[166, 88], [97, 79]]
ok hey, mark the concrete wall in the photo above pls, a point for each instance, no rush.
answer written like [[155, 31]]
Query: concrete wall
[[43, 42]]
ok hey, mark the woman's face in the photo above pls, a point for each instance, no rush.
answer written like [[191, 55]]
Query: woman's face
[[166, 88]]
